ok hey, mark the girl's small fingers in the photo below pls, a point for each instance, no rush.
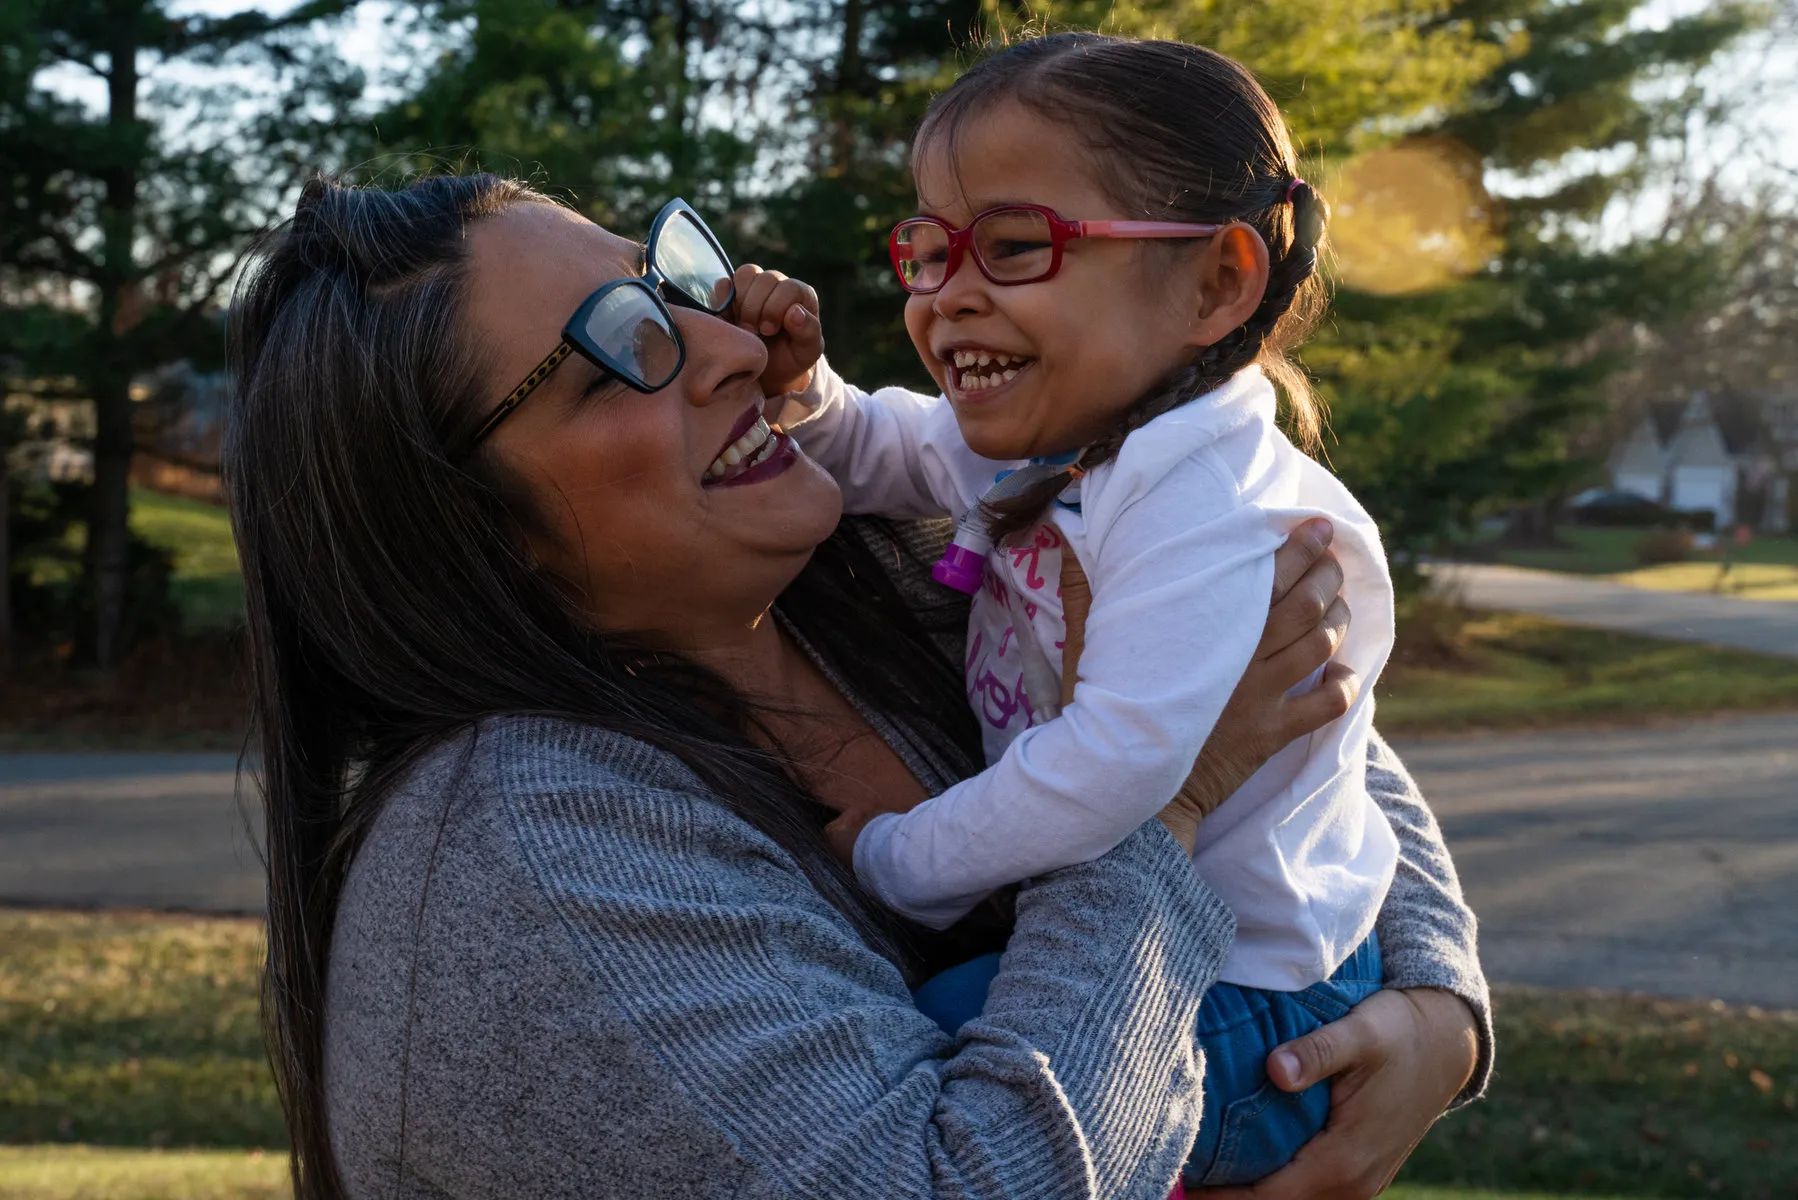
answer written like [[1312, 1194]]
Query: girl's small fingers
[[752, 302], [793, 291]]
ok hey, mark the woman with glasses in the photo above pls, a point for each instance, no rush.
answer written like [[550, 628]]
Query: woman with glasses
[[563, 660]]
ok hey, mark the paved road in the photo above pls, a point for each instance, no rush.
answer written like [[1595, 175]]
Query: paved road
[[125, 830], [1770, 627], [1661, 860]]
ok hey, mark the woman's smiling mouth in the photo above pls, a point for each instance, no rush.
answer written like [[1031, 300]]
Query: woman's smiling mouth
[[758, 452]]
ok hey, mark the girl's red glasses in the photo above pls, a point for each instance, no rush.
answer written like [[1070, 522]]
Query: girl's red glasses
[[1012, 244]]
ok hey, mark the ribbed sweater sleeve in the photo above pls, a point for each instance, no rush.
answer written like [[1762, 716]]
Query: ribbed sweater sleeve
[[741, 1010], [1428, 935]]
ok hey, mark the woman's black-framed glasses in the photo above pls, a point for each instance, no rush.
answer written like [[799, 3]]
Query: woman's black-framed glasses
[[625, 328]]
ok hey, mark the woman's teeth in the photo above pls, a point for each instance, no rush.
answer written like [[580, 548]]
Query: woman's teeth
[[980, 370], [752, 448]]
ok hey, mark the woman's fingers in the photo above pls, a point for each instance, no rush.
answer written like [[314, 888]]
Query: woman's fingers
[[1293, 664], [1324, 1053], [1328, 701], [1304, 546], [1303, 605], [1395, 1062]]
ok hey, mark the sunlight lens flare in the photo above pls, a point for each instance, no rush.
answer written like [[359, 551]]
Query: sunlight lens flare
[[1411, 217]]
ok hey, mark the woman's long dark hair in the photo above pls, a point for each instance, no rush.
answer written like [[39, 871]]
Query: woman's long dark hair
[[391, 604], [1177, 133]]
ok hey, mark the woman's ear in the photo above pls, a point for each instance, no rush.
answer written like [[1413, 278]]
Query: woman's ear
[[1232, 280]]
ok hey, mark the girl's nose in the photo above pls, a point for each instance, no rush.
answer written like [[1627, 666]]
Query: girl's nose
[[719, 354], [963, 294]]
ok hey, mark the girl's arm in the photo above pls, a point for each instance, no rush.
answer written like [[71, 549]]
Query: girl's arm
[[895, 453], [1181, 585]]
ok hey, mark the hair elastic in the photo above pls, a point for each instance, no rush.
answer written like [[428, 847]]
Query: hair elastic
[[1292, 187]]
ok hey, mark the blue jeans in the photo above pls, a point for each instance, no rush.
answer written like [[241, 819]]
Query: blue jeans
[[1250, 1128]]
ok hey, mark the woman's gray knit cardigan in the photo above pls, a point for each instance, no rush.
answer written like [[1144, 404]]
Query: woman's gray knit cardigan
[[561, 967]]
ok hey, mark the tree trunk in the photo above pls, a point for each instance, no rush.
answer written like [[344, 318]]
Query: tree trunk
[[848, 86], [108, 520], [108, 528], [5, 558]]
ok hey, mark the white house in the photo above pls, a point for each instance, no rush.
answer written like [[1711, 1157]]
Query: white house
[[1724, 455]]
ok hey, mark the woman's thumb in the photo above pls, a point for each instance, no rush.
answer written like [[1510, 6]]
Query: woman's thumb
[[1316, 1056]]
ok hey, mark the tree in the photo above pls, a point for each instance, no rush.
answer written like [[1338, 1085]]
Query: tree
[[1451, 400], [1571, 123], [140, 205], [616, 106]]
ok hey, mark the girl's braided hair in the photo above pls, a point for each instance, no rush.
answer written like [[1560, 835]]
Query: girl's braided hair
[[1175, 133]]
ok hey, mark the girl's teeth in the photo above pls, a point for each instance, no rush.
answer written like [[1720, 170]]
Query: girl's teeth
[[1010, 375], [732, 457]]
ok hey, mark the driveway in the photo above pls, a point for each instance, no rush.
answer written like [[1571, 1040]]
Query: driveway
[[1661, 860], [1766, 626]]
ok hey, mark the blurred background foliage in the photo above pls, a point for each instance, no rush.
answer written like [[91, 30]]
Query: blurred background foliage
[[1532, 221]]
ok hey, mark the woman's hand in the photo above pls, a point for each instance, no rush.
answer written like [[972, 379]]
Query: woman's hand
[[1397, 1060], [784, 312], [1305, 624]]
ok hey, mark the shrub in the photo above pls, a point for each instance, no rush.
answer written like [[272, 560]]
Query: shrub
[[1665, 546]]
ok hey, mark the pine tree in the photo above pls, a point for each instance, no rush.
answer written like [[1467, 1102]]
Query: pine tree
[[1467, 399], [120, 224]]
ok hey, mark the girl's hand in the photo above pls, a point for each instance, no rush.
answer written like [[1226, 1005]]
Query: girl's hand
[[784, 312], [1306, 622], [842, 832], [1397, 1060]]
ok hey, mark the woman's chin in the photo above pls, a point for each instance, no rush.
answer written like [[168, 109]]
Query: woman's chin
[[793, 511]]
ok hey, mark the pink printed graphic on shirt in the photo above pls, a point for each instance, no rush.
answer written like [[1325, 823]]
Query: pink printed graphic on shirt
[[994, 664]]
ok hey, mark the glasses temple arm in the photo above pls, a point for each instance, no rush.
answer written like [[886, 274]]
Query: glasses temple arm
[[538, 374], [1143, 229]]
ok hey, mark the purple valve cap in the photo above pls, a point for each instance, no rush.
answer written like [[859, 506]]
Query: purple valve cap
[[960, 568]]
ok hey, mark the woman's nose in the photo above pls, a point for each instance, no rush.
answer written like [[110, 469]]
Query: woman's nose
[[719, 355]]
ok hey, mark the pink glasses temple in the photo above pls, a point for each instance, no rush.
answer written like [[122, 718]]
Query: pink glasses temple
[[1143, 229]]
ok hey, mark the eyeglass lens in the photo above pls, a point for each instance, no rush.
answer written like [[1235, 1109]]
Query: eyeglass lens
[[630, 330], [688, 261], [1014, 245]]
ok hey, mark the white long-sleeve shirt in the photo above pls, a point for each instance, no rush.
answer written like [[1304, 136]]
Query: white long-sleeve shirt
[[1177, 537]]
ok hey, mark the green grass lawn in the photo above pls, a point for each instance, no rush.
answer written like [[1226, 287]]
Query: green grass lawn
[[109, 1173], [1508, 670], [206, 584], [100, 1173], [130, 1069], [132, 1030]]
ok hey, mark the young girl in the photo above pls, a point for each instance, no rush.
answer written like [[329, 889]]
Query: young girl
[[1113, 254]]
